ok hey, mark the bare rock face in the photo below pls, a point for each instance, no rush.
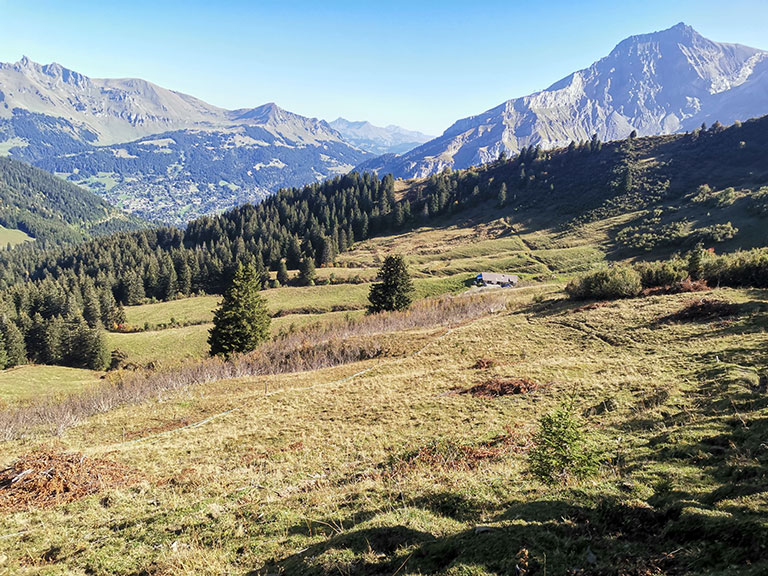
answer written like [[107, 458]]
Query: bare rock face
[[659, 83]]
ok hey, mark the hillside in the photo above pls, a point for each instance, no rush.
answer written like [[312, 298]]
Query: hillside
[[49, 209], [653, 196], [659, 83], [158, 153], [384, 466], [400, 443]]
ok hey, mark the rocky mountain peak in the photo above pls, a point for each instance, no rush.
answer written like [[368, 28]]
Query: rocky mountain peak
[[657, 83]]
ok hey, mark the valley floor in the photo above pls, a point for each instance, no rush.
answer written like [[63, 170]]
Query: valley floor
[[381, 467]]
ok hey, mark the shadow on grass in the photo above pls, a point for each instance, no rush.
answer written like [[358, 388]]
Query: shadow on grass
[[606, 537]]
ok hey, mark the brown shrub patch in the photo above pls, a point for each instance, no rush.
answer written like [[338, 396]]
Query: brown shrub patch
[[164, 427], [703, 309], [485, 363], [447, 454], [592, 306], [46, 477], [501, 387], [682, 287]]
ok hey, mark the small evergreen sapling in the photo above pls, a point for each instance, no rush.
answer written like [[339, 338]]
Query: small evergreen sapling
[[561, 449]]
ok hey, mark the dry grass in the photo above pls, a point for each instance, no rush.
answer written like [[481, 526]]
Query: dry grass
[[300, 480], [304, 350]]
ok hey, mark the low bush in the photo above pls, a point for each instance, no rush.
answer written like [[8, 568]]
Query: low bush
[[662, 273], [745, 268], [606, 284]]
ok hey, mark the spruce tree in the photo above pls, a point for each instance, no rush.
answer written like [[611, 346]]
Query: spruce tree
[[307, 271], [4, 363], [695, 260], [395, 290], [14, 342], [282, 273], [241, 323], [91, 306]]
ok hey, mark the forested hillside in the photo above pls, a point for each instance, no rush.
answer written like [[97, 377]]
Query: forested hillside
[[50, 209], [657, 195]]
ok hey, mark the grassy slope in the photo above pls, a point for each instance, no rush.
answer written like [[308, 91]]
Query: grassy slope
[[294, 306], [25, 383], [443, 259], [302, 482], [13, 237]]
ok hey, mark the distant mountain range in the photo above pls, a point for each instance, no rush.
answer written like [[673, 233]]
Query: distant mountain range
[[377, 140], [170, 157], [659, 83], [162, 154]]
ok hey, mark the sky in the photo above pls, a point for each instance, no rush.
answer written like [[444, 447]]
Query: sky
[[418, 64]]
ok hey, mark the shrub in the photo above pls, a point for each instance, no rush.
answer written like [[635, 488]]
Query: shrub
[[747, 268], [662, 273], [561, 450], [610, 283]]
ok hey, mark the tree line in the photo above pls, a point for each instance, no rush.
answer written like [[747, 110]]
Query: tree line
[[307, 227]]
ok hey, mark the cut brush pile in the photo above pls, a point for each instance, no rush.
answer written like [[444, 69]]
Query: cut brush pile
[[46, 477]]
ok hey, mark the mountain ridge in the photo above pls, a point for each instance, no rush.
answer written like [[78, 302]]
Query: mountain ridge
[[156, 152], [656, 83], [390, 139]]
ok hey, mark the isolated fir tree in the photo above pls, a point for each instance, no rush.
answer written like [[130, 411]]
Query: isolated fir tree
[[307, 271], [282, 273], [502, 197], [395, 290], [241, 323]]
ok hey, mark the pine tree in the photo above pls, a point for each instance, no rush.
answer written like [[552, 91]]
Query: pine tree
[[14, 342], [4, 363], [241, 323], [502, 195], [91, 306], [282, 273], [695, 259], [307, 271], [85, 347], [395, 289]]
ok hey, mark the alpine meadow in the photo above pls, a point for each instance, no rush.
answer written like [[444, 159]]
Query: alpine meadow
[[239, 340]]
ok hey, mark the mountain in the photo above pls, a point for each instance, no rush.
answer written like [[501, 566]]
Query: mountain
[[377, 140], [49, 209], [159, 153], [660, 83]]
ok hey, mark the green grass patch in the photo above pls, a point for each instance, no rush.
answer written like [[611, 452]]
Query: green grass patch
[[13, 237], [27, 383]]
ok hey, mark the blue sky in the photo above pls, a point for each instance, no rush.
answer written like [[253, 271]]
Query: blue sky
[[421, 65]]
